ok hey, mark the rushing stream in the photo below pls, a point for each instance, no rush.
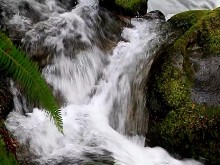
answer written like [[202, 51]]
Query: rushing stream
[[97, 84]]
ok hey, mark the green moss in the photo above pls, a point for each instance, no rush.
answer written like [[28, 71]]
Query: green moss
[[188, 129], [187, 19], [132, 5], [173, 85], [201, 28], [192, 130]]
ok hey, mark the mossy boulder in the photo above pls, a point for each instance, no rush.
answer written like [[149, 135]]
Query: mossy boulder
[[200, 28], [184, 90], [125, 7], [135, 6]]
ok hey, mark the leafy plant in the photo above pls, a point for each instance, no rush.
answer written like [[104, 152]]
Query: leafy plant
[[26, 73], [6, 157], [8, 147]]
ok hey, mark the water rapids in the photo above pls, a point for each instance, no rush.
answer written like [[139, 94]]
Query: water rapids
[[98, 85]]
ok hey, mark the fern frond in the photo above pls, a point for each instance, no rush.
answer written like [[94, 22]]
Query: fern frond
[[27, 74]]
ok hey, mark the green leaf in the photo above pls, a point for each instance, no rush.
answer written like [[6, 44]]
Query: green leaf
[[26, 73]]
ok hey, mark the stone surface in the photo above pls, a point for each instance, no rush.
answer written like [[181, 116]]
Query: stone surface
[[207, 81], [183, 91], [152, 15], [6, 97]]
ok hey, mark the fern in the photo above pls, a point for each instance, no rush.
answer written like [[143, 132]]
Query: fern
[[26, 73]]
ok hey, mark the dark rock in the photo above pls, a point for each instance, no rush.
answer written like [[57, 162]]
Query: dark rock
[[28, 11], [67, 4], [105, 38], [31, 12], [6, 97], [2, 23], [154, 15], [114, 8], [125, 8], [207, 77], [26, 157]]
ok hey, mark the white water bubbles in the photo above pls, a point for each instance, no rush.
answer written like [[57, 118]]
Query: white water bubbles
[[75, 78]]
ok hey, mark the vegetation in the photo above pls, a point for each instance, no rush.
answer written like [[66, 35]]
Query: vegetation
[[7, 147], [125, 7], [17, 65], [25, 72], [201, 27], [132, 5], [174, 85], [188, 128], [6, 157]]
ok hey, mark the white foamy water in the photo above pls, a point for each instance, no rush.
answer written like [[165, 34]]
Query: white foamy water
[[94, 84], [171, 7]]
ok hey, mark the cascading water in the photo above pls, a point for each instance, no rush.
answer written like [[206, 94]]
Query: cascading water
[[96, 82]]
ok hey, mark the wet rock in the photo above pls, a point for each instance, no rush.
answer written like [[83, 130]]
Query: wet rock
[[76, 39], [26, 157], [67, 4], [2, 23], [28, 11], [87, 159], [184, 92], [154, 15], [17, 17], [207, 77], [6, 97]]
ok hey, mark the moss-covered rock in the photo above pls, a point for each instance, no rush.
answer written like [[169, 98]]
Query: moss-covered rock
[[200, 28], [125, 7], [186, 90], [135, 6]]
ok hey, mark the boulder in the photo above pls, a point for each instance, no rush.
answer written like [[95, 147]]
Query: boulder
[[184, 90], [67, 4], [152, 15]]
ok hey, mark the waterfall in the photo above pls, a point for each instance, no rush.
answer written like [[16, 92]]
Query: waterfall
[[97, 77]]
